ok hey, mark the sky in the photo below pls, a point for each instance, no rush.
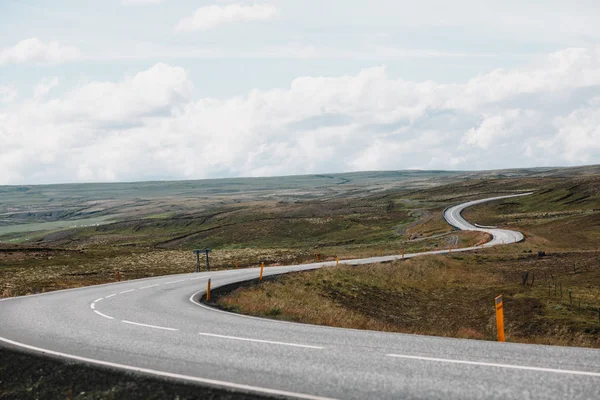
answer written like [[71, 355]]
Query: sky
[[134, 90]]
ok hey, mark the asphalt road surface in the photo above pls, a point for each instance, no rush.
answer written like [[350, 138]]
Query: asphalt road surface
[[155, 326]]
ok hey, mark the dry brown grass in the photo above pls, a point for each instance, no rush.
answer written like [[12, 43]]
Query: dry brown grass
[[25, 271], [429, 225], [29, 272], [440, 295]]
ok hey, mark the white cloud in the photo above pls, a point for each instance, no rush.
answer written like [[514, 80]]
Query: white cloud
[[141, 2], [147, 93], [7, 94], [209, 17], [147, 126], [578, 134], [43, 88], [34, 50]]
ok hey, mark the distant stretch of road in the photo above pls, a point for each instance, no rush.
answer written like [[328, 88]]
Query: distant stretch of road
[[156, 326]]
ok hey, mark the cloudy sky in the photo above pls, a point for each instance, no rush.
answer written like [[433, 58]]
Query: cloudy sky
[[129, 90]]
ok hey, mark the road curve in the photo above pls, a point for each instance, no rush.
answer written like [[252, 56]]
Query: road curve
[[499, 236], [156, 326]]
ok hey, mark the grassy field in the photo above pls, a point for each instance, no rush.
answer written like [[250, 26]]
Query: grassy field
[[453, 295], [443, 295], [284, 221]]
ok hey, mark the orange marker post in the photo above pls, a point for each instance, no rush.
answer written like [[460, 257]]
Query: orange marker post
[[262, 267], [236, 264], [500, 318], [424, 249], [403, 254], [337, 261], [380, 253], [317, 256], [208, 290]]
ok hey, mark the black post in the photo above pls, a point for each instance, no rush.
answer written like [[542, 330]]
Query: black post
[[197, 262], [207, 265], [570, 298]]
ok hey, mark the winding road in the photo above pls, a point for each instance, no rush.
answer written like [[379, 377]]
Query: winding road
[[156, 326]]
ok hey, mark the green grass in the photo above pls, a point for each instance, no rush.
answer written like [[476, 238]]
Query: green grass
[[53, 226]]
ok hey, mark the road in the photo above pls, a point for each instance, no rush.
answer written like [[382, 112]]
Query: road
[[156, 326]]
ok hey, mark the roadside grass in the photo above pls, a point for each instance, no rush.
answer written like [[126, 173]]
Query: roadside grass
[[42, 270], [451, 295], [38, 270]]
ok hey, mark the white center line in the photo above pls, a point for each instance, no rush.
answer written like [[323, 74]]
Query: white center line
[[127, 291], [195, 279], [260, 341], [168, 283], [485, 364], [149, 326], [102, 315], [148, 287], [109, 296], [101, 298], [92, 306]]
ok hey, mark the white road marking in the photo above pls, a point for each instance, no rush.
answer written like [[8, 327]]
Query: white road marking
[[485, 364], [260, 341], [169, 283], [149, 326], [127, 291], [93, 305], [103, 315], [254, 389], [101, 298], [111, 295], [195, 279], [148, 287]]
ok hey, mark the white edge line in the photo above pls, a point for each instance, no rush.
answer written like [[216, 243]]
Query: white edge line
[[127, 291], [103, 315], [275, 321], [110, 295], [213, 382], [148, 287], [93, 306], [486, 364], [260, 341], [149, 326], [169, 283]]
